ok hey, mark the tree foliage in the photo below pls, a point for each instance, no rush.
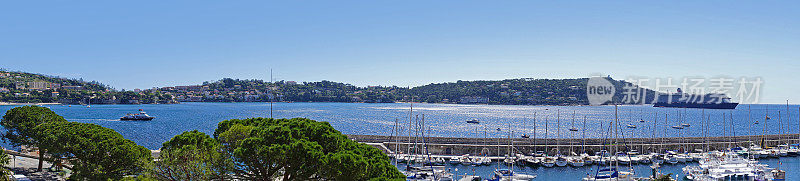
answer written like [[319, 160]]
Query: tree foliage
[[298, 149], [20, 124], [192, 155], [96, 153]]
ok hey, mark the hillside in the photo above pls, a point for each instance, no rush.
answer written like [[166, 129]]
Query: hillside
[[525, 91], [22, 87]]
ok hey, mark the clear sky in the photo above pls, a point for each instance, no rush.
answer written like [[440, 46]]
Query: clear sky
[[143, 44]]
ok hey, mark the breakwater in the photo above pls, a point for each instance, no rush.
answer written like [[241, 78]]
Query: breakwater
[[501, 146]]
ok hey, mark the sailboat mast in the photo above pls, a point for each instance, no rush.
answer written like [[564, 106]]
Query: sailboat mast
[[534, 133], [410, 126], [750, 124], [584, 135], [546, 134], [733, 129], [271, 93], [558, 131]]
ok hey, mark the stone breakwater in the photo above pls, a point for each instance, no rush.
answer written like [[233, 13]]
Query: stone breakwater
[[500, 146]]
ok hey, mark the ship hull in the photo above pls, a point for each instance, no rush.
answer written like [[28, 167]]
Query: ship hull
[[137, 119], [698, 105]]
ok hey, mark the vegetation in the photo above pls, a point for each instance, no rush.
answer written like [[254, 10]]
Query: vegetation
[[5, 173], [20, 124], [14, 88], [298, 149], [245, 149], [511, 91], [525, 91], [96, 153], [192, 155]]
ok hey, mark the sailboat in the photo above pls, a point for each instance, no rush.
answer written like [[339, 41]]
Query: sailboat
[[573, 159], [547, 160], [611, 173], [561, 161]]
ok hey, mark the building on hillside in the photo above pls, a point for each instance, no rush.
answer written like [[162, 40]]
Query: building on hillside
[[473, 100], [251, 98], [54, 94], [41, 85], [4, 90], [72, 87], [5, 74], [291, 83]]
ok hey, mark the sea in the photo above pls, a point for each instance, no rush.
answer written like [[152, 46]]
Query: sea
[[449, 120]]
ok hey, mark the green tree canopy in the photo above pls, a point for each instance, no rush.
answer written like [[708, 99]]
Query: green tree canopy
[[192, 155], [20, 122], [96, 152], [298, 149]]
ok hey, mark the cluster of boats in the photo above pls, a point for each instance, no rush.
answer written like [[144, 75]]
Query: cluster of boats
[[729, 165]]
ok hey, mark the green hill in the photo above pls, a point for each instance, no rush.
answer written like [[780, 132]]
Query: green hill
[[22, 87]]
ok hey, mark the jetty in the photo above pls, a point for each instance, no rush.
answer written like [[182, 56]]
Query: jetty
[[497, 147]]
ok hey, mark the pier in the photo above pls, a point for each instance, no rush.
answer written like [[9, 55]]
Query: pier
[[496, 147]]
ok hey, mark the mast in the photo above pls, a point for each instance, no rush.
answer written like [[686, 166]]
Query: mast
[[410, 125], [534, 133], [733, 129], [750, 125], [271, 84], [572, 136], [703, 126], [397, 139], [764, 131], [653, 129], [584, 134], [558, 131], [616, 142], [546, 133]]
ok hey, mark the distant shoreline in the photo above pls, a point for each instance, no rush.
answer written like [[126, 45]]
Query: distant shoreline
[[17, 104]]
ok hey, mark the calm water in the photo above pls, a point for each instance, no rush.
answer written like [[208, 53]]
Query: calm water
[[443, 120]]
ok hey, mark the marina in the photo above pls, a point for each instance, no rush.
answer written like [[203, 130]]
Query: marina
[[547, 141]]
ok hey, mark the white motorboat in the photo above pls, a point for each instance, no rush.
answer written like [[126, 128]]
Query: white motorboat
[[510, 175], [576, 161], [609, 174]]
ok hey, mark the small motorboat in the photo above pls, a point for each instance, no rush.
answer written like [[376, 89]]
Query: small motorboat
[[573, 129], [474, 121], [685, 125], [677, 127], [141, 116], [506, 174], [631, 126], [525, 136]]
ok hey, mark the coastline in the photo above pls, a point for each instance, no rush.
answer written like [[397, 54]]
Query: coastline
[[26, 104]]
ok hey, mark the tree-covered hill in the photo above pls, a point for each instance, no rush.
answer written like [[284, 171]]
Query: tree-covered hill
[[526, 91], [38, 88], [23, 87]]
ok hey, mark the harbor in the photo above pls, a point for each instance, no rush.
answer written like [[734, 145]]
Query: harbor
[[448, 147]]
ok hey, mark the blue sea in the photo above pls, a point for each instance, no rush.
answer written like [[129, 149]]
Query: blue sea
[[442, 120], [448, 120]]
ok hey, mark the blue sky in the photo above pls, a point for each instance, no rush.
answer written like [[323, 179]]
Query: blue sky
[[142, 44]]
